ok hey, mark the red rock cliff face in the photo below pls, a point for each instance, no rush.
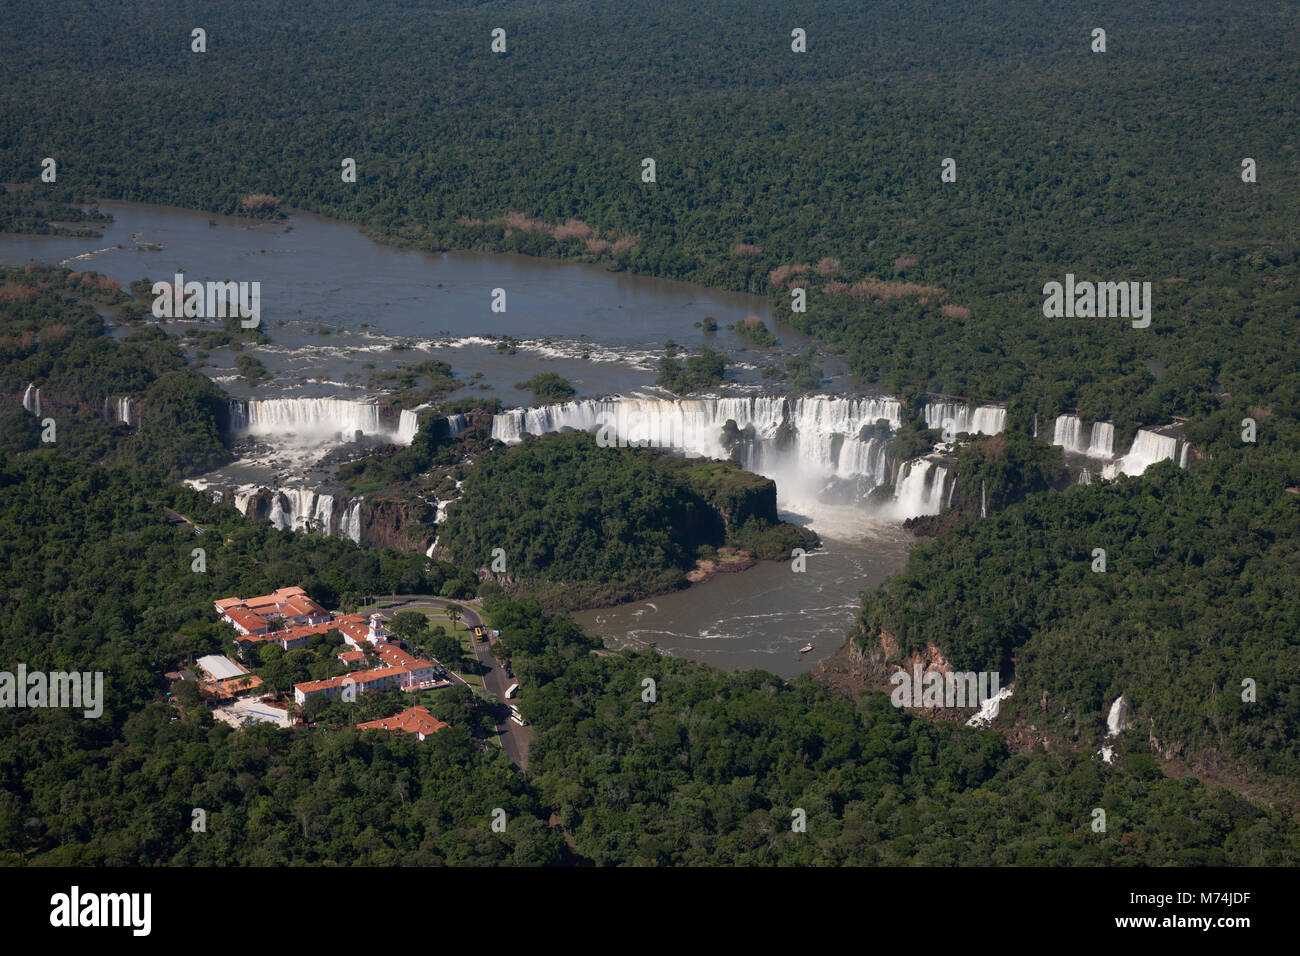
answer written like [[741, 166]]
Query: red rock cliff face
[[403, 523]]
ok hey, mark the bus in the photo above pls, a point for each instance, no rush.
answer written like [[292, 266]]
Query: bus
[[511, 691]]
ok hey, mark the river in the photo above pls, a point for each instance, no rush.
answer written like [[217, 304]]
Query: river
[[339, 306]]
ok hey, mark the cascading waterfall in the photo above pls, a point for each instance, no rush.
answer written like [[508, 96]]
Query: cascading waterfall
[[118, 410], [319, 420], [301, 509], [304, 509], [919, 490], [238, 419], [407, 425], [350, 526], [277, 511], [1069, 433], [322, 417], [811, 446], [1118, 716], [440, 514], [242, 497], [1115, 721], [32, 400], [1183, 456], [989, 709], [981, 420], [1148, 448], [695, 425], [1102, 444], [291, 509]]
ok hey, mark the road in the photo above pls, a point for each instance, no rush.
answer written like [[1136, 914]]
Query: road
[[514, 739]]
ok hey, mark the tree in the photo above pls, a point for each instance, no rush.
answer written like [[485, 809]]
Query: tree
[[453, 614], [447, 650], [187, 693], [407, 624]]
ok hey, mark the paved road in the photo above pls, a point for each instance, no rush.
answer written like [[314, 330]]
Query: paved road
[[514, 739]]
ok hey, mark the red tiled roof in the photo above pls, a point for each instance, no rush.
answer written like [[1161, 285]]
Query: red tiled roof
[[246, 618], [283, 602], [410, 721], [396, 657], [361, 678]]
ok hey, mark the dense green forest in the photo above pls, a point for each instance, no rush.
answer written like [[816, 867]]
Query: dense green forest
[[607, 524], [548, 388], [30, 210], [51, 334], [710, 772], [703, 369], [1195, 593], [775, 169]]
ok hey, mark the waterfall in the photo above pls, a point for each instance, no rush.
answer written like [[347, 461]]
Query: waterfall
[[696, 424], [983, 509], [407, 425], [1183, 457], [350, 526], [818, 449], [819, 434], [1115, 721], [118, 410], [1117, 717], [277, 512], [1148, 448], [319, 419], [243, 496], [920, 488], [323, 515], [1102, 444], [455, 424], [989, 709], [292, 509], [302, 509], [238, 420], [982, 420], [32, 400], [1068, 432]]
